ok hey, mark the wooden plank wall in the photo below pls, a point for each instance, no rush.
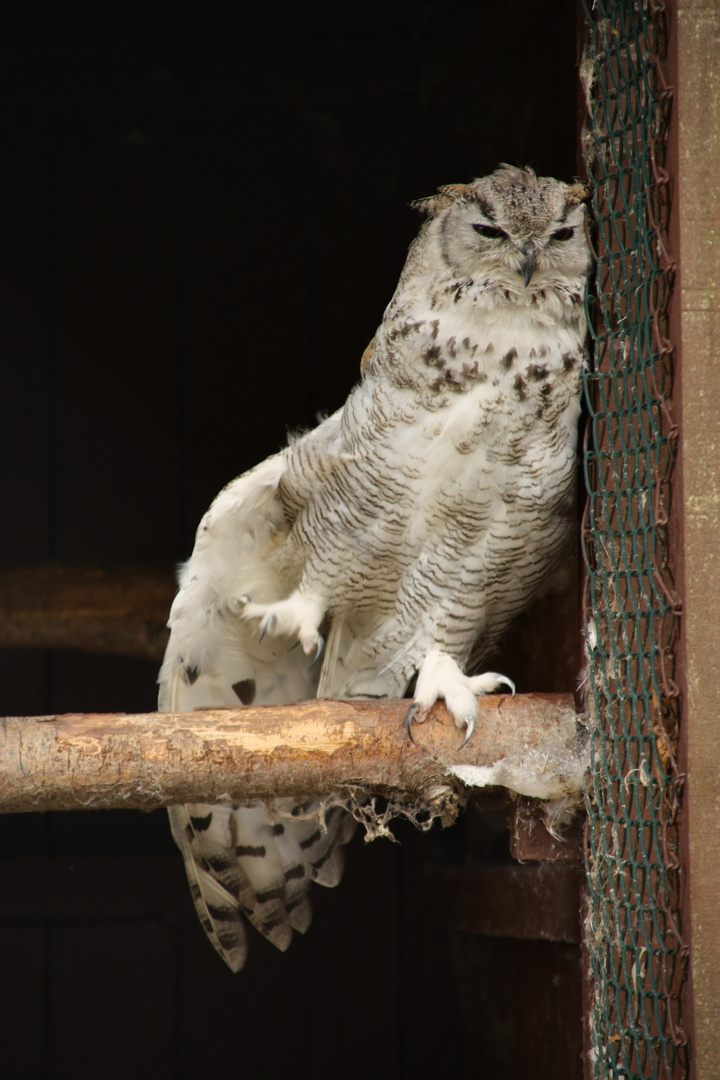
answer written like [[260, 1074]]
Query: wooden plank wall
[[202, 217]]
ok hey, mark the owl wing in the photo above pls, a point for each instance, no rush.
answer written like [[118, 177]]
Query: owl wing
[[257, 860]]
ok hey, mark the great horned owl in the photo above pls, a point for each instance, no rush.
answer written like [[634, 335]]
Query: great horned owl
[[408, 529]]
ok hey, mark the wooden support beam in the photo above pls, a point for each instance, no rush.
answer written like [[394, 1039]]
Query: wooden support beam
[[122, 611], [536, 902], [313, 748], [695, 30], [530, 840]]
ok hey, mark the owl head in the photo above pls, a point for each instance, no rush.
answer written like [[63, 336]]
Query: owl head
[[511, 225]]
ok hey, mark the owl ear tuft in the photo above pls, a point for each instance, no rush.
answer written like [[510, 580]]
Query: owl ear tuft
[[512, 173], [446, 196], [577, 193]]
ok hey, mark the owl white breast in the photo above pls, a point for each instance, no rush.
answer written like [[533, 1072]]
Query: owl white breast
[[406, 531]]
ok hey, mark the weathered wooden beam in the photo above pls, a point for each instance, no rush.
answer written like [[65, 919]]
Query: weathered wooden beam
[[541, 901], [530, 840], [122, 611], [310, 749]]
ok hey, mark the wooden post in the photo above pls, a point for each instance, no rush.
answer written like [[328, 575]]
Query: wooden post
[[695, 29]]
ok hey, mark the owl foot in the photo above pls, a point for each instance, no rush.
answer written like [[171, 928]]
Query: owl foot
[[299, 616], [440, 677]]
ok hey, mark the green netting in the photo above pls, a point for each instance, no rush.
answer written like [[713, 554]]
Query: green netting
[[637, 958]]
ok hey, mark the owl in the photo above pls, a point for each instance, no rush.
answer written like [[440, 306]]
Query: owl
[[392, 545]]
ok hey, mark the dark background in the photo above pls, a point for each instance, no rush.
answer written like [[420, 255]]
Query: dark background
[[203, 214]]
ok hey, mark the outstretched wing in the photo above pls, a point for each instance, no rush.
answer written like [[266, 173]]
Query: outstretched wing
[[255, 861]]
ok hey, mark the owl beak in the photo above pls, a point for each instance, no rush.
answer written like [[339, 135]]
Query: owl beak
[[527, 266]]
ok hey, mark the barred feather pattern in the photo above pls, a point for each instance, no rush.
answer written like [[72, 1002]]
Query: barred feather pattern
[[410, 527]]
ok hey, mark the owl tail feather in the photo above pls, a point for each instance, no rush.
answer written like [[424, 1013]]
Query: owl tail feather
[[258, 861]]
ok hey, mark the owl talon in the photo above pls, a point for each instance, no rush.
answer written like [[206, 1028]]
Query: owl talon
[[317, 643], [408, 721], [417, 712], [470, 721], [295, 617], [268, 626]]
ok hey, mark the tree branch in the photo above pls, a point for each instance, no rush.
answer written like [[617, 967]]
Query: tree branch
[[310, 749]]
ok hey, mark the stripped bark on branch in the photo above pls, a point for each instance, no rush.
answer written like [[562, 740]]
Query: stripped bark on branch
[[313, 748]]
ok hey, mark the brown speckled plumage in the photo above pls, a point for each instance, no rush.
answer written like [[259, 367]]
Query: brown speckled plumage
[[409, 528]]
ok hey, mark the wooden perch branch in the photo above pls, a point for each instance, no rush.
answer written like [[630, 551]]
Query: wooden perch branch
[[121, 611], [313, 748]]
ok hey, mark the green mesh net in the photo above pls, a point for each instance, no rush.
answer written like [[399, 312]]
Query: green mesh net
[[637, 958]]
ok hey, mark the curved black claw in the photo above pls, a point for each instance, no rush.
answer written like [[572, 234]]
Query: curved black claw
[[319, 651], [470, 721], [269, 625], [408, 721]]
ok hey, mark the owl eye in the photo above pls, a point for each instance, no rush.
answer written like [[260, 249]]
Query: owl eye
[[563, 234], [489, 232]]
